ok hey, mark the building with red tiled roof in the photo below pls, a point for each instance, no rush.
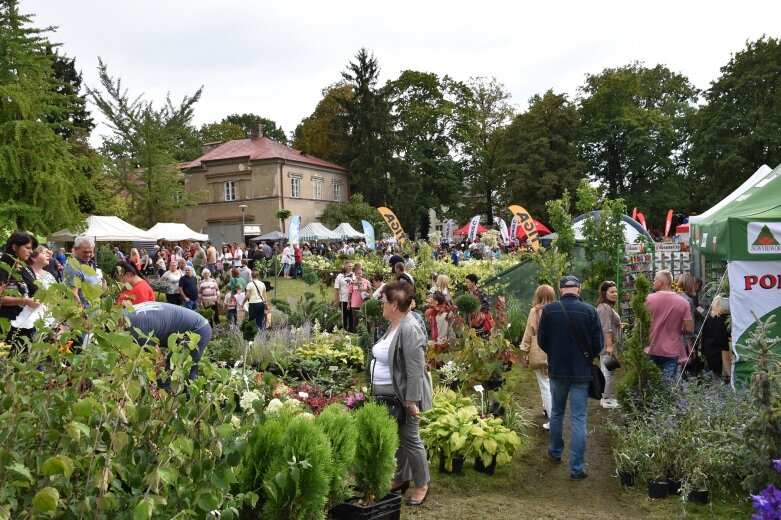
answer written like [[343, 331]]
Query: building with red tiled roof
[[264, 176]]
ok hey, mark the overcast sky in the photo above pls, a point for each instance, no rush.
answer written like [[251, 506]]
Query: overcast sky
[[274, 58]]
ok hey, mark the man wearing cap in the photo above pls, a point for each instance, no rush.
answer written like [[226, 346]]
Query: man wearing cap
[[671, 317], [567, 328]]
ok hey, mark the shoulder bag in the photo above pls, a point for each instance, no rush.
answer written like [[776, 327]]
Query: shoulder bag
[[597, 385], [395, 406]]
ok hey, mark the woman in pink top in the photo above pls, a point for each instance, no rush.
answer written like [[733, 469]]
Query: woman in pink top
[[359, 292]]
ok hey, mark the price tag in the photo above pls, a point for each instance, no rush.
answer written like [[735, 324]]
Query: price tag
[[303, 395], [333, 368], [478, 388]]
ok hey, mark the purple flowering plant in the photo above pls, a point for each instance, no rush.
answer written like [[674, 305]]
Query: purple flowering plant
[[767, 504]]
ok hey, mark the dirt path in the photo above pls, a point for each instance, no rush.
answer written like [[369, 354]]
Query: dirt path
[[533, 487]]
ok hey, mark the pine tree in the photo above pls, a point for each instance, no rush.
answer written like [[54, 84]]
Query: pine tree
[[39, 182]]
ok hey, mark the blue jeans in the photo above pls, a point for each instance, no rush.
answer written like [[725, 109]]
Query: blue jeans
[[578, 398], [669, 366], [191, 304]]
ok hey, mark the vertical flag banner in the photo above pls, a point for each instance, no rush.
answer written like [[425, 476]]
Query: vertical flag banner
[[634, 213], [473, 228], [368, 233], [393, 224], [294, 231], [447, 232], [502, 228], [527, 223], [514, 228], [641, 220], [668, 223]]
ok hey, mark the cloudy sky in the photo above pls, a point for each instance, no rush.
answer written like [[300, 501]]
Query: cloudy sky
[[274, 58]]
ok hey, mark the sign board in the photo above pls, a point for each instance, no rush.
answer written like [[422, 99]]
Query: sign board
[[667, 247], [633, 248], [252, 229]]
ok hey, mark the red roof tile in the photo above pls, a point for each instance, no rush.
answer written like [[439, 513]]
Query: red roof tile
[[259, 149]]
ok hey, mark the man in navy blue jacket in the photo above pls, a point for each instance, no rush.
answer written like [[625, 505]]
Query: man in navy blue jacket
[[569, 368]]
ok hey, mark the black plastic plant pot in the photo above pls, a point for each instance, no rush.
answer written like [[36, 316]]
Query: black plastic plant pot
[[493, 384], [701, 496], [458, 465], [389, 508], [657, 490], [673, 487], [496, 409], [482, 468], [627, 478]]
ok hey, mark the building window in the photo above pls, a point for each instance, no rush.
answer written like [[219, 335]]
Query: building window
[[338, 192], [230, 190], [438, 227], [295, 187], [318, 189]]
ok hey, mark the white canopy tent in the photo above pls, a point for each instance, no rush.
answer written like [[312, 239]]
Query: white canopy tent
[[174, 232], [346, 232], [105, 229], [317, 231]]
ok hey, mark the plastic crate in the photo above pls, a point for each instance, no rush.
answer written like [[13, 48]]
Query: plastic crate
[[389, 508]]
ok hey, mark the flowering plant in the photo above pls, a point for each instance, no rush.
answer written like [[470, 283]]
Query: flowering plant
[[767, 504]]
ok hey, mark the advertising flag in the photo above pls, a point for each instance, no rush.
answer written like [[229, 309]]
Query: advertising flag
[[528, 225], [514, 228], [502, 228], [473, 228], [641, 220], [294, 231], [393, 224], [368, 233], [447, 232], [668, 223], [634, 213]]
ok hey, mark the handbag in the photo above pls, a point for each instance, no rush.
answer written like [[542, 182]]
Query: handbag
[[396, 408], [597, 384]]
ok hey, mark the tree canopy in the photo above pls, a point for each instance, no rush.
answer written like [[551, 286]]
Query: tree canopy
[[245, 121]]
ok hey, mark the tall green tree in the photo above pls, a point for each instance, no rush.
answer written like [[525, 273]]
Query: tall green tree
[[369, 151], [352, 211], [633, 136], [739, 128], [145, 147], [40, 184], [74, 118], [428, 133], [220, 132], [270, 128], [323, 134], [538, 156], [487, 112]]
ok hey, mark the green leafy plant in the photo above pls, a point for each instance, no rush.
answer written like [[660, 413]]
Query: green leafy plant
[[375, 454], [490, 440], [339, 426]]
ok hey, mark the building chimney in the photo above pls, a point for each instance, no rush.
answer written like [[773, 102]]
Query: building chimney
[[208, 147], [257, 131]]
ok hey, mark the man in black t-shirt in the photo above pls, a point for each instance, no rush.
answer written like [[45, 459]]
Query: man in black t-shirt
[[188, 289]]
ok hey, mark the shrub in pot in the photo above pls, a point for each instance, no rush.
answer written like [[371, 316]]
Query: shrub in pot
[[493, 443], [375, 455], [298, 480], [449, 434], [339, 426]]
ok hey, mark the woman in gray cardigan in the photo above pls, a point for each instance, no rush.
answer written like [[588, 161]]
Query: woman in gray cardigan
[[399, 370]]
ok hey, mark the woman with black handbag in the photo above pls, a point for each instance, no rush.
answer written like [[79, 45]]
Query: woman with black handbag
[[399, 379]]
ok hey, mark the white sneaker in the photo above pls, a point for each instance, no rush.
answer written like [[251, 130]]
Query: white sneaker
[[608, 403], [546, 425], [615, 403]]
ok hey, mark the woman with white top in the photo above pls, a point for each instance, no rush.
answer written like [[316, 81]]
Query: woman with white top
[[256, 297], [399, 370], [171, 278]]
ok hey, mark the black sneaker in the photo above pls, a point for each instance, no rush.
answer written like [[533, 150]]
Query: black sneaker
[[555, 460], [578, 476]]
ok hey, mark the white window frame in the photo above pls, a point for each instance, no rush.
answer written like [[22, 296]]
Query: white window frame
[[229, 191], [295, 187], [337, 192], [318, 189]]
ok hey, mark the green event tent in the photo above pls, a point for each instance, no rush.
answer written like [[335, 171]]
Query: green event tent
[[746, 233]]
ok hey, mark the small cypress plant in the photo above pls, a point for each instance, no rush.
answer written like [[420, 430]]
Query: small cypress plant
[[264, 442], [338, 425], [375, 454], [297, 483], [642, 374]]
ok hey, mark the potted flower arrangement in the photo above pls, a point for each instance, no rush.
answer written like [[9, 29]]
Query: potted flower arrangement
[[445, 428], [452, 374]]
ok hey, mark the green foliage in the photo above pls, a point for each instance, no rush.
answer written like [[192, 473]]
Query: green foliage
[[736, 131], [642, 376], [145, 148], [220, 132], [634, 128], [309, 277], [603, 234], [561, 221], [298, 480], [248, 329], [467, 303], [206, 313], [517, 313], [246, 121], [105, 259], [263, 445], [323, 134], [352, 212], [375, 454], [41, 181], [539, 156], [338, 425], [763, 432]]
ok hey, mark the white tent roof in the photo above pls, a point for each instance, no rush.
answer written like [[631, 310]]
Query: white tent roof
[[758, 176], [317, 231], [173, 231], [632, 228], [346, 231], [106, 229]]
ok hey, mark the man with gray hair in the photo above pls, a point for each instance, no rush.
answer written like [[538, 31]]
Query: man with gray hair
[[83, 251], [671, 317]]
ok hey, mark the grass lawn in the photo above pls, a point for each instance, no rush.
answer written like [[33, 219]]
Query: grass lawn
[[533, 487], [294, 290]]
